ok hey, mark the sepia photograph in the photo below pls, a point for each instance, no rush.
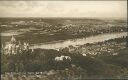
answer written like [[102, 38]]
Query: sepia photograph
[[64, 40]]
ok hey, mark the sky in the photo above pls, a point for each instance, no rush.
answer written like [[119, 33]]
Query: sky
[[100, 9]]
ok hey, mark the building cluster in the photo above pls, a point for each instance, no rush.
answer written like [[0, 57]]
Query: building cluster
[[110, 47], [14, 47]]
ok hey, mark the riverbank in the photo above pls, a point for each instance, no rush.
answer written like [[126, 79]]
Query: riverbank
[[36, 31], [79, 41], [109, 47]]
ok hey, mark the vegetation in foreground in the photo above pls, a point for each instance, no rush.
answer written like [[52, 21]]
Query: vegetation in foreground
[[69, 63]]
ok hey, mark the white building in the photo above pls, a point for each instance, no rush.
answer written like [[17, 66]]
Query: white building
[[14, 47]]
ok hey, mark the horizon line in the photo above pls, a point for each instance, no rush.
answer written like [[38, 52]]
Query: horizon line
[[71, 17]]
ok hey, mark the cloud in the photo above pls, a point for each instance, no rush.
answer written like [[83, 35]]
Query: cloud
[[63, 9]]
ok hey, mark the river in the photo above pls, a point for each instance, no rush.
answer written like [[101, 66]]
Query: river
[[80, 41]]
